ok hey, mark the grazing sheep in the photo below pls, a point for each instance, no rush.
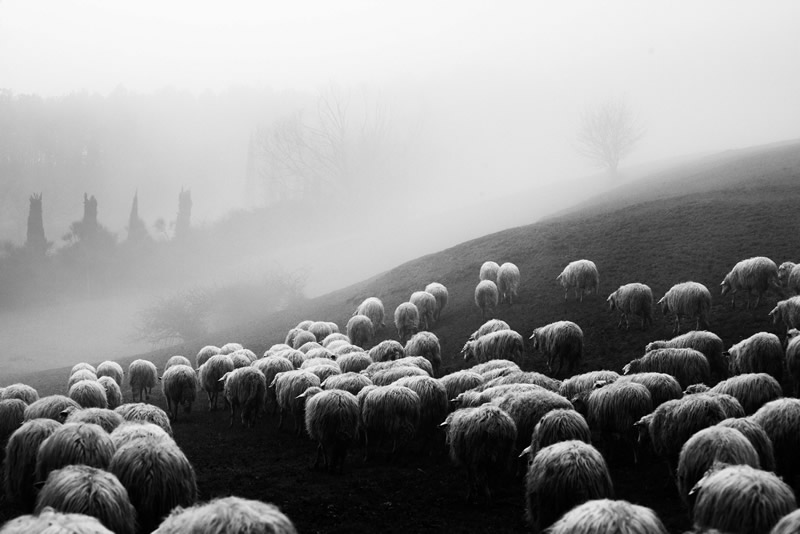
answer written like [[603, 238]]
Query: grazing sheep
[[179, 385], [556, 426], [227, 515], [269, 367], [787, 311], [230, 348], [346, 349], [426, 306], [81, 366], [632, 299], [473, 397], [293, 355], [142, 377], [757, 437], [245, 387], [147, 413], [486, 297], [425, 344], [489, 271], [350, 382], [50, 407], [560, 341], [209, 374], [751, 275], [562, 476], [204, 354], [23, 392], [82, 489], [389, 413], [301, 338], [12, 415], [752, 390], [158, 477], [406, 319], [48, 521], [526, 406], [706, 342], [291, 335], [741, 499], [789, 524], [662, 386], [783, 272], [521, 377], [132, 430], [433, 406], [320, 352], [780, 419], [491, 366], [387, 350], [458, 382], [360, 330], [731, 406], [113, 391], [688, 366], [332, 420], [354, 362], [89, 394], [687, 299], [499, 345], [393, 374], [106, 419], [508, 282], [334, 337], [575, 384], [481, 439], [19, 467], [408, 361], [373, 308], [305, 348], [581, 276], [239, 359], [178, 360], [492, 325], [305, 325], [441, 295], [74, 443], [606, 516], [709, 445], [111, 369], [760, 353], [321, 330], [288, 387], [80, 374]]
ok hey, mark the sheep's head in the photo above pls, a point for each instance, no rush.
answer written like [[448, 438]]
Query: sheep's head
[[467, 351], [535, 339], [775, 314], [628, 368], [642, 429], [725, 285], [612, 301], [664, 305]]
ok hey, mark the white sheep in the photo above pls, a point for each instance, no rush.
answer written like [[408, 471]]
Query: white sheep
[[50, 407], [387, 350], [113, 391], [433, 407], [288, 387], [74, 443], [486, 297], [439, 292], [179, 360], [425, 344], [458, 382], [498, 345], [144, 412], [107, 419], [209, 374], [690, 300], [179, 384], [688, 366], [408, 361], [321, 330], [12, 415], [389, 413], [246, 388], [80, 374], [50, 521], [787, 311], [132, 430], [632, 299], [489, 271], [225, 515], [606, 516], [354, 362], [360, 330], [508, 282], [560, 341], [89, 394], [112, 369], [793, 362], [23, 392], [20, 460], [142, 377], [756, 274], [301, 338], [373, 308], [791, 281], [271, 366], [709, 343], [492, 325], [332, 420], [83, 365], [426, 306], [406, 319], [230, 347], [581, 276], [760, 353], [351, 381], [204, 354]]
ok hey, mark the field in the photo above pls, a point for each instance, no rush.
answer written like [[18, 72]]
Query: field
[[693, 224]]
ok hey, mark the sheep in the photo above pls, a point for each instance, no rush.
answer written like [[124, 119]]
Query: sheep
[[433, 406], [780, 419], [304, 325], [111, 369], [499, 345], [23, 392], [488, 271], [426, 306], [158, 477], [373, 308], [757, 437], [787, 311], [305, 348], [789, 524], [209, 374], [581, 276], [245, 387], [481, 439], [12, 415], [360, 330], [269, 367], [521, 377], [752, 390], [440, 293], [562, 476], [142, 377], [322, 367], [507, 282], [556, 426], [89, 394], [332, 420], [632, 299], [662, 386], [408, 361], [751, 275], [240, 359], [492, 325], [334, 337], [688, 366], [393, 374], [288, 387], [179, 384], [20, 460], [486, 297], [473, 397], [74, 443], [560, 341], [706, 342], [50, 407], [132, 430], [606, 516], [387, 350], [320, 353], [82, 489], [730, 406], [493, 365], [48, 521], [425, 344], [354, 362], [106, 419], [225, 515], [301, 338], [460, 381], [140, 411], [294, 356], [81, 366], [760, 353], [740, 498], [792, 281], [113, 391], [80, 374], [346, 349], [687, 299], [204, 354], [230, 348], [526, 406], [577, 383], [389, 413], [406, 320], [320, 329], [291, 335], [709, 445], [350, 382]]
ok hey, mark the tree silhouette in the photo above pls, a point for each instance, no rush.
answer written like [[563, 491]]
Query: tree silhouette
[[608, 133]]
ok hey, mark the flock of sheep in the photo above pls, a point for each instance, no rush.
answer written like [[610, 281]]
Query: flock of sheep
[[88, 458]]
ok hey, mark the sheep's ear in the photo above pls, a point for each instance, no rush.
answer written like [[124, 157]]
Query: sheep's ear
[[626, 369], [224, 377], [525, 452]]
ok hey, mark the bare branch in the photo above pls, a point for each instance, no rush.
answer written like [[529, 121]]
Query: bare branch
[[608, 133]]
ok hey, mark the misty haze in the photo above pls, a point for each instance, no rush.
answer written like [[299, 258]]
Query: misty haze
[[180, 174]]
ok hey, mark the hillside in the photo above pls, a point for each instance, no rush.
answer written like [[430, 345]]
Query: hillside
[[692, 225]]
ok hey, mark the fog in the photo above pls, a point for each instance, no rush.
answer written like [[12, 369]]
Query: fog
[[469, 112]]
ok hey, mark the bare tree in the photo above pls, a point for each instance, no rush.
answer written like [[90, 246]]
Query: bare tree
[[608, 133]]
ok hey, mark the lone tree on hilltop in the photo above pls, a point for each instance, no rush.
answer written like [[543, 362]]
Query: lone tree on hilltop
[[608, 133], [36, 242]]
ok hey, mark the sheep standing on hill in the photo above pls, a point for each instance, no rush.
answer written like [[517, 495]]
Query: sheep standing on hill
[[556, 426], [271, 366], [147, 413], [441, 295], [752, 390], [360, 330], [112, 369], [426, 306], [406, 319], [751, 275], [12, 415], [425, 344], [321, 330], [49, 521], [489, 271], [632, 299], [20, 460], [142, 377], [389, 413], [245, 388], [209, 374], [561, 341], [576, 384], [332, 420], [688, 366], [508, 282], [107, 419], [80, 374], [89, 394], [460, 381], [50, 407], [204, 354], [486, 297], [606, 516], [792, 281], [581, 276], [372, 307], [760, 353], [74, 443], [179, 384], [706, 342], [662, 386], [288, 387], [23, 392], [690, 300], [499, 345], [492, 325], [387, 350], [183, 360], [780, 419], [787, 311]]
